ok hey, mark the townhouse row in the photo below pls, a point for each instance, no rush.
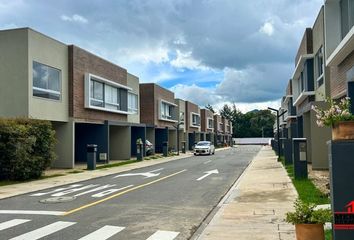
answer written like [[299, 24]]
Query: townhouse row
[[90, 100], [323, 65]]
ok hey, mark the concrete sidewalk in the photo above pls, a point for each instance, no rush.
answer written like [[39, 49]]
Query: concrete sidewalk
[[36, 185], [255, 207]]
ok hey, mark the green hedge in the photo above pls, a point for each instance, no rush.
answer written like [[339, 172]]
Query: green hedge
[[26, 148]]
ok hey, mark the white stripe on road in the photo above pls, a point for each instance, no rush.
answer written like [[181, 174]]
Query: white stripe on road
[[163, 235], [207, 162], [44, 231], [110, 191], [55, 190], [12, 223], [103, 233], [72, 190], [156, 170], [95, 189], [30, 212]]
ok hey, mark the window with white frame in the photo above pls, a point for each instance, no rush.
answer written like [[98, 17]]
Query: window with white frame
[[46, 81], [111, 96], [105, 95], [181, 117], [132, 103], [195, 119], [210, 123], [166, 110], [221, 126]]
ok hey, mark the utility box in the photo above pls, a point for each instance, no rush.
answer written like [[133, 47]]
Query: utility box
[[288, 151], [165, 149], [91, 156], [300, 158], [341, 169]]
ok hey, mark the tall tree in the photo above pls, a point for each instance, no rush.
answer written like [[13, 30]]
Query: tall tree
[[226, 112], [208, 106]]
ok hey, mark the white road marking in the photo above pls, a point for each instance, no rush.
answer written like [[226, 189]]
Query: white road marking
[[110, 191], [215, 171], [145, 174], [207, 162], [59, 194], [12, 223], [55, 190], [95, 189], [44, 231], [31, 212], [156, 170], [163, 235], [103, 233]]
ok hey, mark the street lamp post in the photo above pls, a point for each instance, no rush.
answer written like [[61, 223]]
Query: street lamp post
[[278, 116]]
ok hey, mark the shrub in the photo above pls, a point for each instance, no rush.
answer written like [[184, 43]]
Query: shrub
[[26, 148], [305, 213]]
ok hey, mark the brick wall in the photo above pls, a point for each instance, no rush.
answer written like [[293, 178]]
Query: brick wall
[[204, 115], [338, 76], [191, 107], [150, 96], [81, 62], [147, 107]]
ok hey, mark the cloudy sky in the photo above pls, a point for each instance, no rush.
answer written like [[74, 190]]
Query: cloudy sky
[[207, 51]]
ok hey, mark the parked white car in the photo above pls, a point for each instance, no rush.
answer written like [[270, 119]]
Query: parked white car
[[204, 147]]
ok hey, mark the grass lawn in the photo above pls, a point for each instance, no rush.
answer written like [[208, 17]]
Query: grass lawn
[[307, 191]]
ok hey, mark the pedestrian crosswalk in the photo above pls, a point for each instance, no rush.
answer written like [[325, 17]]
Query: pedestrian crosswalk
[[102, 233]]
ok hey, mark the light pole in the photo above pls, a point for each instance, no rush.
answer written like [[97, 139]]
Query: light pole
[[278, 116]]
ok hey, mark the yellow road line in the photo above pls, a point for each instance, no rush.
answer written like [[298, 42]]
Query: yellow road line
[[120, 193]]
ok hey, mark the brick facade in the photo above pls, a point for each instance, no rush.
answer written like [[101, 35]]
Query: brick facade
[[338, 76], [191, 107], [81, 62], [204, 115], [150, 97]]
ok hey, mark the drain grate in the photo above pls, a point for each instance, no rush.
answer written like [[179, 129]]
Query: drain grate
[[58, 199]]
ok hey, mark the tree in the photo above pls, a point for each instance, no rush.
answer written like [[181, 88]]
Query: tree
[[209, 107], [226, 112], [251, 124]]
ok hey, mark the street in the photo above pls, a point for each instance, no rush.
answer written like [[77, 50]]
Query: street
[[165, 201]]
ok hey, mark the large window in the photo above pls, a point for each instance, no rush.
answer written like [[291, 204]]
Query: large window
[[106, 95], [195, 119], [347, 16], [166, 110], [210, 123], [132, 103], [96, 95], [112, 98], [181, 117], [46, 81]]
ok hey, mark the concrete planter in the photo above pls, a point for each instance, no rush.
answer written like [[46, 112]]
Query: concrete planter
[[343, 131], [309, 231]]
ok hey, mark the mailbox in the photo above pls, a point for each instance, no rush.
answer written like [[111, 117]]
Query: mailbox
[[300, 158]]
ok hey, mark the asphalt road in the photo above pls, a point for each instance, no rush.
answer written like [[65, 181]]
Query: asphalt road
[[161, 202]]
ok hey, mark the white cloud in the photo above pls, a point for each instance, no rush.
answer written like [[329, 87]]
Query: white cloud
[[185, 60], [74, 18], [267, 28]]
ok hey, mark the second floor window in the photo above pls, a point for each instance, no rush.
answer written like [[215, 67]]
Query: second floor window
[[166, 110], [132, 103], [347, 16], [319, 66], [112, 98], [46, 81], [221, 126], [210, 123], [96, 95], [195, 119], [181, 117]]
